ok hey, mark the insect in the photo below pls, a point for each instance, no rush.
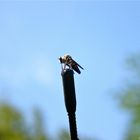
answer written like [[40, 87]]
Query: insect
[[68, 61]]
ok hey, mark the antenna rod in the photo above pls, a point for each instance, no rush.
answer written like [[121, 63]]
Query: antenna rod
[[70, 100]]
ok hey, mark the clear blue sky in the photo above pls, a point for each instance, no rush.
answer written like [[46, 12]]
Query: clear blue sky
[[99, 35]]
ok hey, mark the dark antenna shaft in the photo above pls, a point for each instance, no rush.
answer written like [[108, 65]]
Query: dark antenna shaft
[[70, 100]]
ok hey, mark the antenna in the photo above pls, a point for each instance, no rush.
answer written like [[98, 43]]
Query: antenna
[[70, 100]]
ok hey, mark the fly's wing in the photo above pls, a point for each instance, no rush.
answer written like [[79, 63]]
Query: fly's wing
[[75, 67], [77, 64]]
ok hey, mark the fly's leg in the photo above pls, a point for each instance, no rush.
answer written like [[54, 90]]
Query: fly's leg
[[64, 66]]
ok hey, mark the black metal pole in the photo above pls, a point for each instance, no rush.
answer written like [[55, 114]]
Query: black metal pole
[[70, 100]]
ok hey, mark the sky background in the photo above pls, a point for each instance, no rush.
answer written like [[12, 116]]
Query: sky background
[[99, 35]]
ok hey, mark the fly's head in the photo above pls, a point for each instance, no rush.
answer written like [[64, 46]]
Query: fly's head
[[61, 60]]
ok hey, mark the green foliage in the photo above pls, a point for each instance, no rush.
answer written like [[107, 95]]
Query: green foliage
[[11, 124], [64, 135], [133, 64], [130, 99], [39, 133], [14, 127]]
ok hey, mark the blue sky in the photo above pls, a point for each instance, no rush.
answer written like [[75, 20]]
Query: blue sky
[[100, 35]]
